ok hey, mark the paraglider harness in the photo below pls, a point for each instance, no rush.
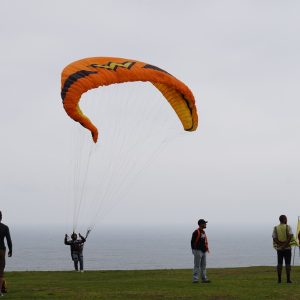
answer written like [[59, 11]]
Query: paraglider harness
[[76, 246]]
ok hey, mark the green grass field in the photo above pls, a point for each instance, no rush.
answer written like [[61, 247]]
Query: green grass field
[[235, 283]]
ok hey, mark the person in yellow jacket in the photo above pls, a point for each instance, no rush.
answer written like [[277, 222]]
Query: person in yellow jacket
[[282, 237]]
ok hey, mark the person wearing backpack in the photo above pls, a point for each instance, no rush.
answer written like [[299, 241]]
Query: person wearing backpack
[[282, 237], [199, 247], [4, 234]]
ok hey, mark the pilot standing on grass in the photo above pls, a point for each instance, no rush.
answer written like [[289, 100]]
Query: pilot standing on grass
[[76, 246], [199, 247], [4, 234], [282, 236]]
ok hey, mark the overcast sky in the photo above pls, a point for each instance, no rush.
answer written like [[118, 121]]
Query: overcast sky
[[240, 59]]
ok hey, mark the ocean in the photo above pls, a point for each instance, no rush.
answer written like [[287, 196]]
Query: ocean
[[136, 248]]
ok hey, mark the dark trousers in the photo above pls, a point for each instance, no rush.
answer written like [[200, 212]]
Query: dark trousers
[[285, 255], [2, 262]]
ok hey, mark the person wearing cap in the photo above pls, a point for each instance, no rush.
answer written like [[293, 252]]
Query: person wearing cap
[[76, 247], [4, 234], [282, 236], [199, 247]]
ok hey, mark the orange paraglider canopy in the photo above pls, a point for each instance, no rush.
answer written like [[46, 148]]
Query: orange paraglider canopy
[[89, 73]]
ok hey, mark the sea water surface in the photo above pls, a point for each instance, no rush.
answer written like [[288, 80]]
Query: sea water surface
[[138, 247]]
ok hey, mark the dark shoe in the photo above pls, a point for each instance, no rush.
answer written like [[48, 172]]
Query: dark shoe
[[289, 281], [205, 281]]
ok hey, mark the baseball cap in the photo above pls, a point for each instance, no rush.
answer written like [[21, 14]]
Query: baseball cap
[[202, 221]]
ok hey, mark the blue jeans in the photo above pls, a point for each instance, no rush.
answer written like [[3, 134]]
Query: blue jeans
[[77, 257], [199, 265]]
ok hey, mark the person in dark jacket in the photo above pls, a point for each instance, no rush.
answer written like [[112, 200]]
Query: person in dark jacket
[[76, 247], [199, 247], [4, 234]]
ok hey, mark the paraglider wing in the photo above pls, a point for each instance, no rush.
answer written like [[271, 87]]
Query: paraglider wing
[[89, 73]]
